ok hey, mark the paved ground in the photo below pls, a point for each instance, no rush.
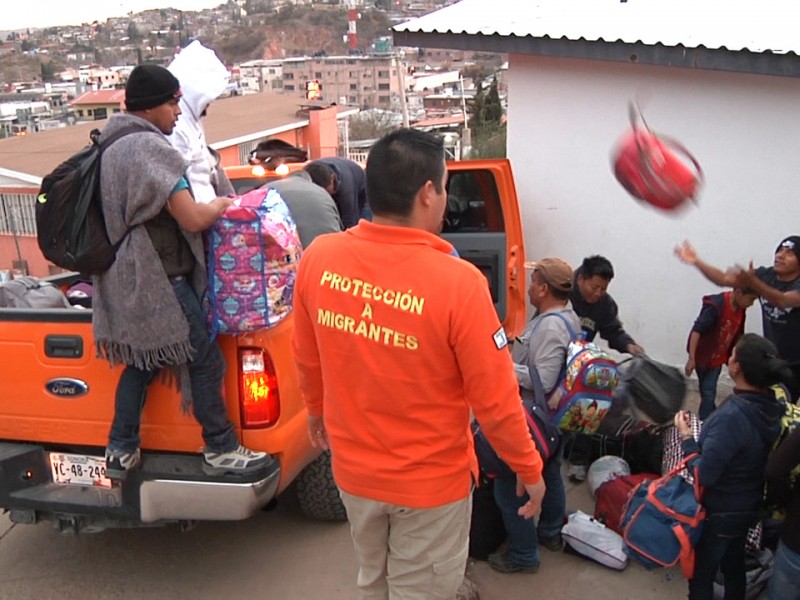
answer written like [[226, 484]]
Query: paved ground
[[277, 555]]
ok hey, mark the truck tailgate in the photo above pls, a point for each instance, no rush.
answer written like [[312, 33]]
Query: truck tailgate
[[55, 391]]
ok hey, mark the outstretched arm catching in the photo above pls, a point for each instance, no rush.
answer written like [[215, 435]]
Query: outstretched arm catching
[[688, 255]]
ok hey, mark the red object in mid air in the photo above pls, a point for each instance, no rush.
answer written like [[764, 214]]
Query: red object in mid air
[[656, 169]]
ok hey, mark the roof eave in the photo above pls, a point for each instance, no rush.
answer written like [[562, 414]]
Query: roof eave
[[718, 59]]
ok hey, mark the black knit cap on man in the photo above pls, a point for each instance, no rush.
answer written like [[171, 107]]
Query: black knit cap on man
[[790, 243], [150, 86]]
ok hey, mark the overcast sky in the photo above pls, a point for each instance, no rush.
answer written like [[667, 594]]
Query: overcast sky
[[17, 14]]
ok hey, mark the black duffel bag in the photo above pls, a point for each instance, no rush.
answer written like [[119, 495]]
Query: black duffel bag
[[654, 390]]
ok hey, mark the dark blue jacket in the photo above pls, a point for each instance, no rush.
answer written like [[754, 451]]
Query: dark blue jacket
[[600, 317], [351, 189], [733, 445]]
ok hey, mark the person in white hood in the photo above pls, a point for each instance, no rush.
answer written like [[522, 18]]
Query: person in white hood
[[203, 78]]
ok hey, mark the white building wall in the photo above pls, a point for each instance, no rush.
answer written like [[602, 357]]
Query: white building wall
[[565, 117]]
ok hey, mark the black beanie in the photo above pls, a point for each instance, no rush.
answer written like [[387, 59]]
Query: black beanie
[[149, 86], [792, 243]]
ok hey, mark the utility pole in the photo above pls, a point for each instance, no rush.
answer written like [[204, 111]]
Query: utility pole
[[466, 135], [401, 80]]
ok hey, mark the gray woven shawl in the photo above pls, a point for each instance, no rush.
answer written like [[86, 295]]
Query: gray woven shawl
[[137, 319]]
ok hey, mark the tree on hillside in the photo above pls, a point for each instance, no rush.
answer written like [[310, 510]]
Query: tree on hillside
[[493, 108], [371, 125], [133, 32], [240, 44], [486, 123], [475, 72], [476, 108], [49, 71]]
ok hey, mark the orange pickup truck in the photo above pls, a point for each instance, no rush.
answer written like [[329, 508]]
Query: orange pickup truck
[[56, 397]]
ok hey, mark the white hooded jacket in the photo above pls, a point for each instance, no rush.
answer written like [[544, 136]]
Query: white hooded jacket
[[203, 78]]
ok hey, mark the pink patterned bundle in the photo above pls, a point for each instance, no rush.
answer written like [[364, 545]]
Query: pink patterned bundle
[[253, 254]]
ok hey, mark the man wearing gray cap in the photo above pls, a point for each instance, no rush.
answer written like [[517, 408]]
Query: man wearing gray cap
[[540, 350], [778, 288]]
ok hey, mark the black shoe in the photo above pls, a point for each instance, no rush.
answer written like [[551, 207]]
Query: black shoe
[[553, 543], [503, 563], [119, 463]]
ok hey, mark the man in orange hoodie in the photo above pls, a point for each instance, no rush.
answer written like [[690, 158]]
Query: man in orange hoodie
[[396, 341]]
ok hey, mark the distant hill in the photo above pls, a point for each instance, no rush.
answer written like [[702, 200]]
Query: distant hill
[[263, 33], [297, 31]]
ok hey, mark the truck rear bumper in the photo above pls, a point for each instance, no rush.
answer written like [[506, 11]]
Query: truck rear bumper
[[166, 488], [170, 499]]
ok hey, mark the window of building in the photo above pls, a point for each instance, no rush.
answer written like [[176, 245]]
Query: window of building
[[383, 87], [288, 75], [353, 87], [288, 88], [383, 99], [17, 214], [384, 74], [318, 75]]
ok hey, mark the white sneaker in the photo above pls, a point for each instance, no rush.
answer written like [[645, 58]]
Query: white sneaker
[[236, 462], [577, 472]]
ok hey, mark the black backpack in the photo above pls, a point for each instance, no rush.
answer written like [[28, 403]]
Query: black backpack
[[70, 227]]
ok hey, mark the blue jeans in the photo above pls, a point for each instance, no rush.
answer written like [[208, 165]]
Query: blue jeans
[[785, 581], [523, 534], [206, 370], [707, 384], [721, 548], [580, 453]]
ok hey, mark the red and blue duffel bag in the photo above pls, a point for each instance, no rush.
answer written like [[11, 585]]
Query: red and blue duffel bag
[[663, 520]]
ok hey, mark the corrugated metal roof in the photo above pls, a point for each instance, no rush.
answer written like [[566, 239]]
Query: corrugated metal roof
[[753, 25], [99, 97]]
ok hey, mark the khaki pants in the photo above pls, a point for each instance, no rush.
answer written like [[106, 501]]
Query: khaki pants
[[409, 553]]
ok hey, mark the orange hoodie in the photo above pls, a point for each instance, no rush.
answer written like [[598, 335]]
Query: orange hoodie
[[395, 341]]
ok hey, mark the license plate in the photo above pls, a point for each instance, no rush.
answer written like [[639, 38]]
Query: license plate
[[77, 469]]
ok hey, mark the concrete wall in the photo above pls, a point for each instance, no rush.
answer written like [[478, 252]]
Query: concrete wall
[[565, 117]]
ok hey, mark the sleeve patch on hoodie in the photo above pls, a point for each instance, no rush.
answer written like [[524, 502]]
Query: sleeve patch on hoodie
[[500, 339]]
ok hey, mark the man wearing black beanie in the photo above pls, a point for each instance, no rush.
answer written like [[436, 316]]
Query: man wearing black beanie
[[147, 314], [778, 287], [150, 86]]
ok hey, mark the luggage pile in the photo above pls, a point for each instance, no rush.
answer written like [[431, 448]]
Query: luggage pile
[[648, 505]]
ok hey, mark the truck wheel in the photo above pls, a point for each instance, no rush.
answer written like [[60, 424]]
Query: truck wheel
[[318, 494]]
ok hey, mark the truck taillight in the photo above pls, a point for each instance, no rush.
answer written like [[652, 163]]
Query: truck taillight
[[258, 389]]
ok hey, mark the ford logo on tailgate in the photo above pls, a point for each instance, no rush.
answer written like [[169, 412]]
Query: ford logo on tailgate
[[67, 388]]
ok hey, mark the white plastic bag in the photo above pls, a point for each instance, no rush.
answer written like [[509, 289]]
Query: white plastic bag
[[605, 469], [594, 540]]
